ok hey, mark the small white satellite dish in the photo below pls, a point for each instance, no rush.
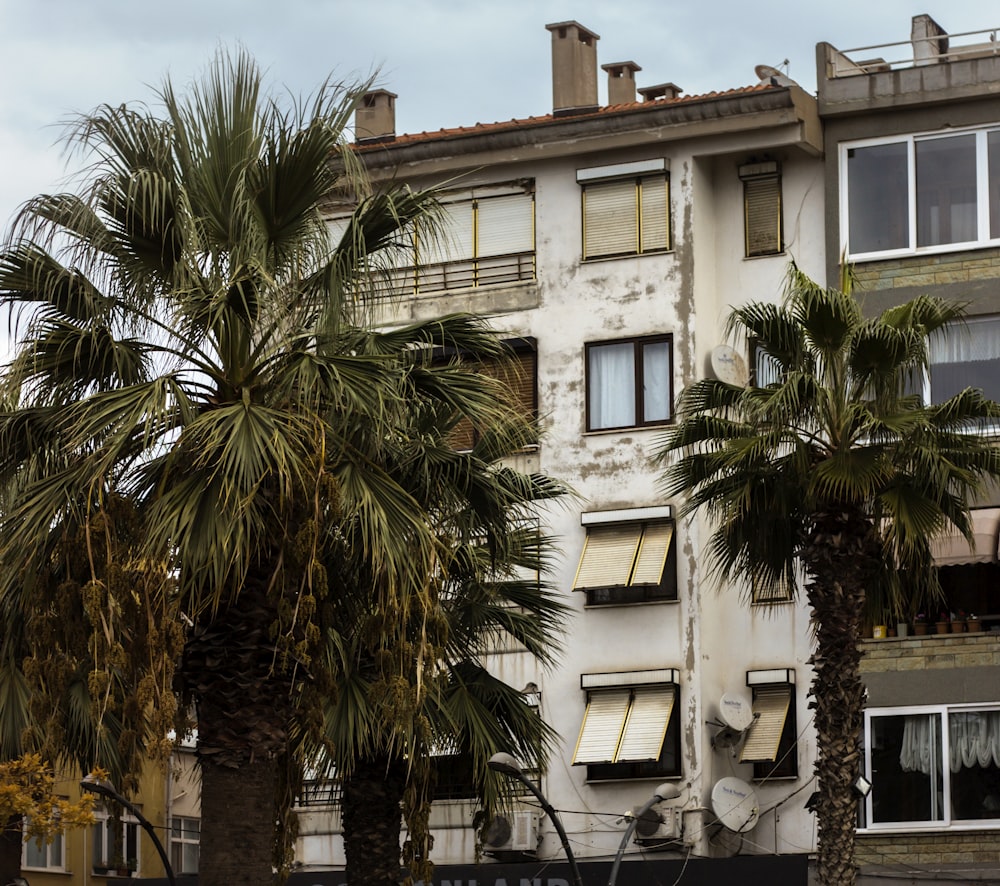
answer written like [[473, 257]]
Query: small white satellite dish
[[728, 366], [735, 804], [735, 712]]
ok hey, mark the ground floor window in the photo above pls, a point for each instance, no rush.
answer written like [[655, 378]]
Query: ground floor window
[[935, 765]]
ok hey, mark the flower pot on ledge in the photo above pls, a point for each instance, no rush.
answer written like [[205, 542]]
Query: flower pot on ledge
[[920, 628], [942, 627], [974, 626]]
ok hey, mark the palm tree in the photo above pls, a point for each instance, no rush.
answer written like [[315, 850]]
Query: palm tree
[[187, 346], [837, 465], [393, 708]]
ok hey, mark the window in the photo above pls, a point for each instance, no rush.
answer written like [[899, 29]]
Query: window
[[115, 849], [922, 192], [933, 765], [625, 209], [630, 728], [761, 209], [185, 836], [39, 854], [519, 373], [967, 355], [628, 563], [629, 383], [770, 743], [483, 237]]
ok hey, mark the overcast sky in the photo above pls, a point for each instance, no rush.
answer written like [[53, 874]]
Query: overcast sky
[[451, 62]]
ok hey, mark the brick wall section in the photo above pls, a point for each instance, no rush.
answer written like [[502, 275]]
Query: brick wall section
[[928, 849], [928, 270], [931, 651], [917, 654]]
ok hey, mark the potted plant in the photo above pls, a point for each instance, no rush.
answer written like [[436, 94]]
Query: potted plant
[[972, 624], [958, 622], [943, 624], [920, 624]]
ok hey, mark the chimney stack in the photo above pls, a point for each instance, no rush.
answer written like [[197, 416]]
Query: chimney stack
[[574, 68], [375, 117], [621, 82], [662, 90]]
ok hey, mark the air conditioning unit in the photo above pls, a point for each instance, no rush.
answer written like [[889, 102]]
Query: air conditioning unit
[[658, 827], [517, 832]]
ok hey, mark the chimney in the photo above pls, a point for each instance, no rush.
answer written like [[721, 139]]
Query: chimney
[[929, 39], [574, 69], [621, 82], [375, 117], [662, 90]]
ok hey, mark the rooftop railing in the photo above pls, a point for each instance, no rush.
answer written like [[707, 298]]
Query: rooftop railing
[[927, 50]]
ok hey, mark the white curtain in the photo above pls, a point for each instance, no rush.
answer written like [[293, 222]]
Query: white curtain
[[656, 381], [973, 740], [612, 386], [974, 339]]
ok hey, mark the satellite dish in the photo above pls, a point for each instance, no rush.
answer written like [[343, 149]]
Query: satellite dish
[[735, 804], [728, 366], [773, 76], [735, 712]]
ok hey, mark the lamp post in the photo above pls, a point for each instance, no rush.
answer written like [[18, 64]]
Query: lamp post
[[105, 788], [665, 791], [507, 765]]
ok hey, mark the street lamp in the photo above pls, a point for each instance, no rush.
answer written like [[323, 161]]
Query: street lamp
[[105, 788], [665, 791], [507, 765]]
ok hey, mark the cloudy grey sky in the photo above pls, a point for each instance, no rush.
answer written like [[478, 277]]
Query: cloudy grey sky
[[451, 62]]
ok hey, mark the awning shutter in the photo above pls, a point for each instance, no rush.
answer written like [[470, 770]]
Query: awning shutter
[[505, 225], [602, 726], [770, 707], [607, 557], [762, 203], [652, 554], [953, 550], [655, 228], [646, 725], [610, 219]]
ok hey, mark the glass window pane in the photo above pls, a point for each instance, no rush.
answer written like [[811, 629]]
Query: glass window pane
[[611, 385], [966, 355], [993, 158], [907, 777], [946, 190], [974, 751], [878, 198], [656, 381]]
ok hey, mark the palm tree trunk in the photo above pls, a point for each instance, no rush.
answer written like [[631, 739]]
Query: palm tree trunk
[[371, 806], [11, 844], [838, 558], [245, 703]]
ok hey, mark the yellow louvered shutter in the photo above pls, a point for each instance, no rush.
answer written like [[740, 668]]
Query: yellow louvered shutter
[[655, 204], [602, 727], [652, 554], [646, 726], [770, 707], [762, 210], [607, 557]]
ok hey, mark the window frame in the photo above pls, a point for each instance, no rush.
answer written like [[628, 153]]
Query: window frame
[[640, 175], [638, 370], [754, 175], [664, 591], [57, 846], [670, 762], [946, 822], [103, 822], [180, 840], [785, 763], [961, 327], [983, 236]]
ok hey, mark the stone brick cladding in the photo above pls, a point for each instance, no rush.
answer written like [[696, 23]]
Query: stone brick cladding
[[931, 651], [918, 654], [928, 270]]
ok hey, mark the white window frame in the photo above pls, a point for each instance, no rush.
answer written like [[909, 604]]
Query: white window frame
[[103, 822], [55, 853], [945, 822], [910, 140], [182, 842]]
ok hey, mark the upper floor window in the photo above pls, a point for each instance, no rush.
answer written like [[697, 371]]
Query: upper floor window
[[771, 741], [482, 237], [40, 854], [185, 840], [761, 208], [966, 355], [115, 844], [933, 766], [629, 383], [626, 209], [920, 192], [630, 727]]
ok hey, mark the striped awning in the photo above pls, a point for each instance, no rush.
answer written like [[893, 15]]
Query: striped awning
[[952, 549]]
